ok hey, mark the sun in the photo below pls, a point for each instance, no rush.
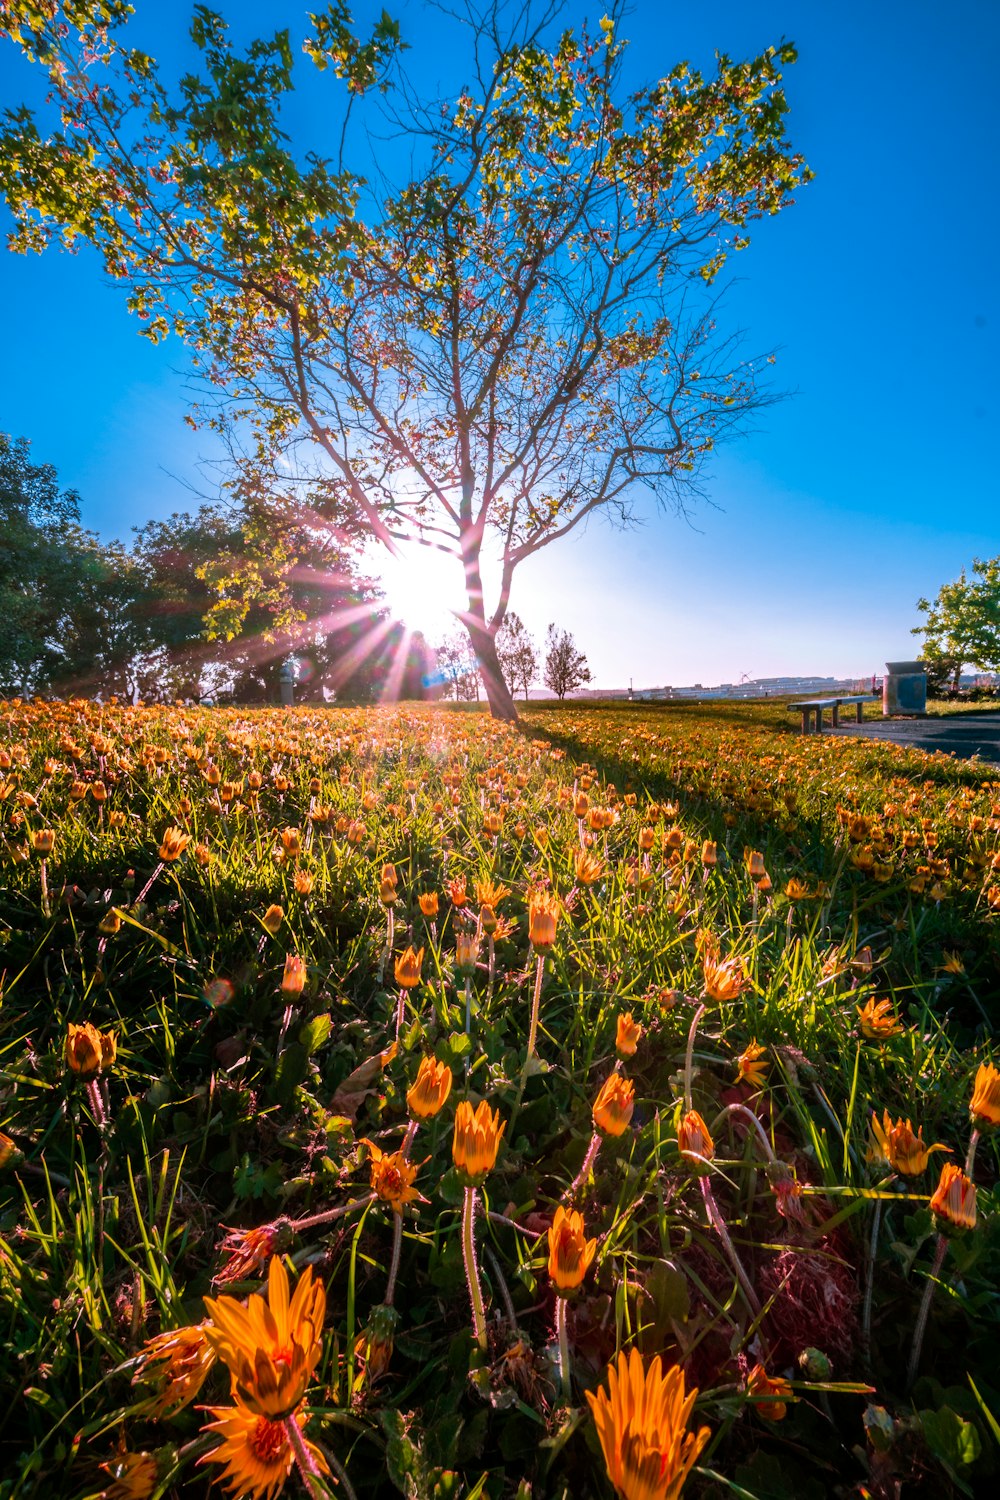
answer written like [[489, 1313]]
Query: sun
[[423, 588]]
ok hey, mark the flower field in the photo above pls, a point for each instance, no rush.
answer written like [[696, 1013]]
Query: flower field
[[396, 1102]]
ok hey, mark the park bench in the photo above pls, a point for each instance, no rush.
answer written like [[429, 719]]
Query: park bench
[[817, 705]]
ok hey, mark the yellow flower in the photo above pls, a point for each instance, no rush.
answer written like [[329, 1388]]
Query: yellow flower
[[898, 1146], [985, 1106], [89, 1051], [798, 890], [273, 918], [954, 1199], [878, 1020], [134, 1476], [587, 868], [430, 1089], [543, 914], [642, 1425], [724, 978], [175, 841], [771, 1393], [627, 1036], [570, 1252], [293, 980], [176, 1363], [614, 1104], [476, 1140], [750, 1069], [693, 1137], [407, 969], [255, 1450], [392, 1177], [271, 1347]]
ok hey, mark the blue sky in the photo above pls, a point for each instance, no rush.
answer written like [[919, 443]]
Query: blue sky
[[872, 484]]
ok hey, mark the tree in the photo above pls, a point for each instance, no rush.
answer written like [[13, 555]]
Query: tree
[[483, 354], [565, 667], [516, 654], [458, 668], [962, 624]]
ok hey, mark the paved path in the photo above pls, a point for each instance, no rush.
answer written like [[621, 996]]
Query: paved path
[[956, 734]]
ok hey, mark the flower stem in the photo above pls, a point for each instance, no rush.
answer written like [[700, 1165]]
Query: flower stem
[[866, 1311], [719, 1225], [588, 1162], [149, 885], [564, 1367], [535, 1005], [330, 1214], [689, 1056], [472, 1268], [970, 1159], [408, 1138], [925, 1307], [397, 1245], [741, 1109], [400, 1003], [309, 1471]]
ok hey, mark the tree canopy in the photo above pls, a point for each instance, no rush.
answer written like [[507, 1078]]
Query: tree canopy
[[962, 624], [515, 332]]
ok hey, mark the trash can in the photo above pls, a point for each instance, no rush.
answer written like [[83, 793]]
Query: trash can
[[904, 690], [287, 676]]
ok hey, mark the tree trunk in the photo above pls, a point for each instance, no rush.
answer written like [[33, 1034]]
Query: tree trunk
[[498, 694]]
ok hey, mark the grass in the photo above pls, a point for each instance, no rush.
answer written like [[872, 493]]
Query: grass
[[237, 1102]]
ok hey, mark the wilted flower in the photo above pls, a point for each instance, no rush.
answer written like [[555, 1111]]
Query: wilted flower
[[641, 1423], [772, 1394], [250, 1250], [134, 1476], [570, 1252], [176, 1363], [614, 1105]]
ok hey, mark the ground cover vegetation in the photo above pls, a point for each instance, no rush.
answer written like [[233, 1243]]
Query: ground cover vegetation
[[399, 1101]]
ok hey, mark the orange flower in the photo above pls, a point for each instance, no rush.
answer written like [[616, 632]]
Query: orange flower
[[303, 882], [175, 841], [271, 1347], [587, 868], [898, 1146], [627, 1037], [430, 1089], [647, 838], [293, 980], [456, 891], [255, 1450], [466, 951], [8, 1150], [273, 918], [954, 1199], [476, 1140], [570, 1252], [543, 914], [488, 894], [985, 1106], [693, 1137], [407, 969], [43, 840], [755, 864], [641, 1423], [750, 1069], [89, 1051], [134, 1476], [392, 1177], [771, 1394], [709, 854], [428, 903], [614, 1104], [176, 1363], [249, 1250], [725, 978], [878, 1021]]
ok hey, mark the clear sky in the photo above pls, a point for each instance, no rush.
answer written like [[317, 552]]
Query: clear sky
[[874, 482]]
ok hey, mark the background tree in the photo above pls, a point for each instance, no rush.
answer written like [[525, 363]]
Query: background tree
[[516, 654], [457, 665], [480, 355], [962, 624], [565, 666]]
